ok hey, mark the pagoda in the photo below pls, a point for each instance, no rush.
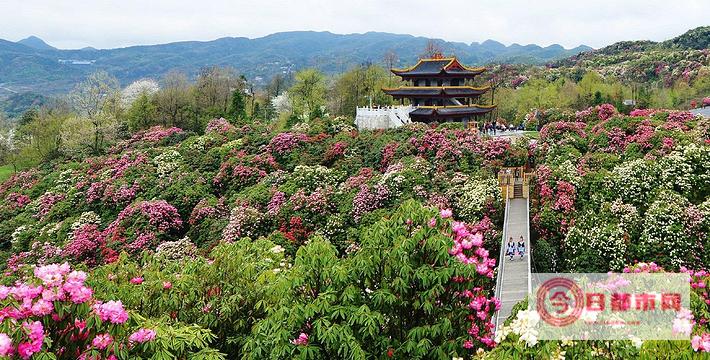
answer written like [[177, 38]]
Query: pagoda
[[440, 90]]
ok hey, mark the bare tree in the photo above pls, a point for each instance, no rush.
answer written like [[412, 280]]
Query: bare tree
[[390, 59], [173, 99], [98, 100], [277, 85], [432, 49], [214, 89]]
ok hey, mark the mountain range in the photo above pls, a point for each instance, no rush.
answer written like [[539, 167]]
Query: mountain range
[[33, 65]]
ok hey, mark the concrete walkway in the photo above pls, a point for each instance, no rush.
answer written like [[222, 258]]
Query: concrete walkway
[[513, 282]]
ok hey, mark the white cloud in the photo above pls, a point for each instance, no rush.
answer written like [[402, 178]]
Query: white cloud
[[104, 23]]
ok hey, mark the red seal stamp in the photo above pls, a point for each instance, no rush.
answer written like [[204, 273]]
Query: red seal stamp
[[559, 301]]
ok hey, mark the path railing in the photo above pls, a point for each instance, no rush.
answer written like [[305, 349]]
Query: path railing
[[513, 281]]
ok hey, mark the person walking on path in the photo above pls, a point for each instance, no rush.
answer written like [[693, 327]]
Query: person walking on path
[[521, 247], [510, 248]]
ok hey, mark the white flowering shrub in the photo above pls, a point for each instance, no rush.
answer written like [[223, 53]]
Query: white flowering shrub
[[633, 181], [524, 325], [676, 172], [176, 250], [664, 239], [309, 178], [167, 162], [627, 216], [475, 197], [87, 217], [302, 127], [595, 243], [244, 221], [567, 171]]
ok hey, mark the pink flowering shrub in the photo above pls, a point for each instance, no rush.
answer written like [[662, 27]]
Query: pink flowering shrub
[[605, 111], [565, 196], [139, 227], [240, 170], [16, 200], [560, 132], [148, 137], [369, 199], [286, 142], [220, 126], [278, 199], [584, 115], [388, 153], [54, 312], [336, 151], [46, 202], [85, 244]]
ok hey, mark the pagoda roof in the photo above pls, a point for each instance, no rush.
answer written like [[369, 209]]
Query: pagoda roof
[[442, 91], [439, 66], [448, 111]]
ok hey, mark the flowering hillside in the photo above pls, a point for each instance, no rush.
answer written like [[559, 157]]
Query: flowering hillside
[[614, 189], [312, 242], [323, 242], [620, 193]]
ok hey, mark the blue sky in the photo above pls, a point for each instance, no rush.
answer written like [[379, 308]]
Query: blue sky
[[107, 24]]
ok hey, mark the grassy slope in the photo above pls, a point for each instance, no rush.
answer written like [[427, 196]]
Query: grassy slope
[[5, 172]]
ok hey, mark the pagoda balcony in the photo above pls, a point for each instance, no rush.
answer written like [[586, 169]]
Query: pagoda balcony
[[436, 91]]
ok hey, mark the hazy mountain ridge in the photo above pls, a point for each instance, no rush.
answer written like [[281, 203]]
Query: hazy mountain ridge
[[32, 65]]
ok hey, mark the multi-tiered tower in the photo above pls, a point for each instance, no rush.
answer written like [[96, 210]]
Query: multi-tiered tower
[[441, 89]]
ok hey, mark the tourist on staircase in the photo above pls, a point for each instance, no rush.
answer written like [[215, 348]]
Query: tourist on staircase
[[510, 248], [521, 247]]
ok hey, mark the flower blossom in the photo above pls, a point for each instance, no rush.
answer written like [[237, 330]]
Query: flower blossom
[[102, 341], [142, 335], [301, 340]]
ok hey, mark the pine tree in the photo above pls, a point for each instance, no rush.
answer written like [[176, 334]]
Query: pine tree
[[237, 113]]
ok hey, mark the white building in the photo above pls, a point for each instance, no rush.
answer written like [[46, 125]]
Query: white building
[[370, 118]]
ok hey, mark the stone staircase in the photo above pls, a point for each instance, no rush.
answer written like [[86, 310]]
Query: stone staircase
[[513, 278], [518, 191]]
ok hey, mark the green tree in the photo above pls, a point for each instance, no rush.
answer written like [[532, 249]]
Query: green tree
[[237, 113], [213, 91], [42, 137], [308, 93], [142, 113], [358, 87]]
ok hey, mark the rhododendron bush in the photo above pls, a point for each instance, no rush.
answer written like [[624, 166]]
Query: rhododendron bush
[[517, 338], [206, 229], [52, 313], [620, 188], [417, 278]]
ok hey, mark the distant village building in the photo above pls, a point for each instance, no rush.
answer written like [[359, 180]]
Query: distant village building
[[76, 62], [437, 89]]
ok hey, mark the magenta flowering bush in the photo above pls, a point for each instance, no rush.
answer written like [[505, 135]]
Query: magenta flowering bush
[[560, 132], [605, 111], [285, 142], [220, 126], [54, 313], [140, 226]]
